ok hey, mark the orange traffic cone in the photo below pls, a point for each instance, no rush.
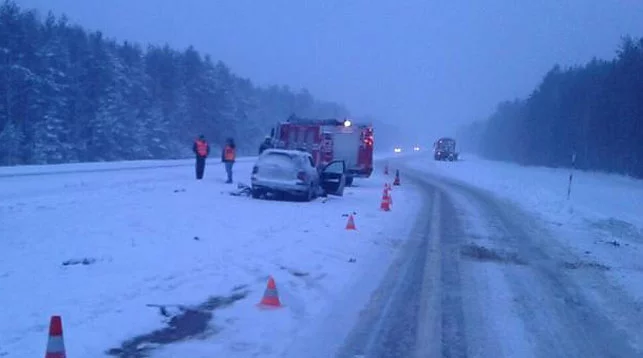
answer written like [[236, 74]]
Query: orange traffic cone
[[386, 204], [55, 343], [397, 177], [350, 225], [270, 296], [388, 189]]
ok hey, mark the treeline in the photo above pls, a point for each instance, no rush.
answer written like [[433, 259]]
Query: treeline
[[595, 111], [69, 95]]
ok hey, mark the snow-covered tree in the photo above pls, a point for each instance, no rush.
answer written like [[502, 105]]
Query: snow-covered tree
[[71, 95], [10, 142]]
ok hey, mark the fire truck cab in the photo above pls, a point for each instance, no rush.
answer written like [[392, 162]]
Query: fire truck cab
[[327, 140]]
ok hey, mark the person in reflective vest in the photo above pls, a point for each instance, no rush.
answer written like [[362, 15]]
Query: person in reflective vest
[[201, 149], [228, 156]]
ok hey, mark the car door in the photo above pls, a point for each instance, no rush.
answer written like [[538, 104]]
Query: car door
[[332, 178]]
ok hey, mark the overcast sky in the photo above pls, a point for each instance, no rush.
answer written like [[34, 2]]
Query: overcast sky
[[427, 64]]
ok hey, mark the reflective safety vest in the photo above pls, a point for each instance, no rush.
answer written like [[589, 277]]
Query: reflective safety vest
[[228, 153], [202, 148]]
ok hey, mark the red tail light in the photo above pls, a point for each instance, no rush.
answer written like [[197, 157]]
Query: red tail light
[[302, 176], [255, 169], [367, 142]]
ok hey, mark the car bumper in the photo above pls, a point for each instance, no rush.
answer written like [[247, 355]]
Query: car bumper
[[290, 186]]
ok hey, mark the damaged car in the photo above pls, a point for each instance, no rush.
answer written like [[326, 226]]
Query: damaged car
[[282, 172]]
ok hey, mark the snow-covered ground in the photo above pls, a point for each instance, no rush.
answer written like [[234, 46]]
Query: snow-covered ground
[[602, 220], [152, 235], [157, 236]]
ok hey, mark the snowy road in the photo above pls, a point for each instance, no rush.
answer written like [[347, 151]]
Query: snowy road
[[481, 278]]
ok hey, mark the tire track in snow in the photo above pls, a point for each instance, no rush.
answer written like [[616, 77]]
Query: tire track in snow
[[556, 310], [430, 329], [454, 341], [417, 311], [577, 314]]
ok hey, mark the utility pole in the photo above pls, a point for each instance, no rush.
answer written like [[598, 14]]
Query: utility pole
[[571, 176]]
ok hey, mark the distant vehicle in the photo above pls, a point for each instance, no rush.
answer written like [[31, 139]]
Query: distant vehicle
[[444, 149], [293, 172], [416, 148], [327, 140], [397, 150]]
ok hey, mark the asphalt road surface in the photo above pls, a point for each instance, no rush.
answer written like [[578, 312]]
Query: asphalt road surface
[[481, 278]]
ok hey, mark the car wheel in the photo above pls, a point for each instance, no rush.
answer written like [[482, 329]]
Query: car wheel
[[256, 193], [311, 192], [306, 196]]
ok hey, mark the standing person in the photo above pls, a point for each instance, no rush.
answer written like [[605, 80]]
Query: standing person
[[201, 149], [228, 156]]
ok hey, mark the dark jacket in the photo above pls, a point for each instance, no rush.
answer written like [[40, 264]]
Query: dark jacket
[[265, 145]]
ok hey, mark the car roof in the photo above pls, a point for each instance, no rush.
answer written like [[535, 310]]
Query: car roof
[[289, 152]]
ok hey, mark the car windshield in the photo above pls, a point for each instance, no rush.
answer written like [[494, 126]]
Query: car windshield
[[335, 168], [446, 144]]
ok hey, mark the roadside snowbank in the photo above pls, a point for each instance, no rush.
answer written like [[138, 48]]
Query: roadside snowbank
[[73, 168]]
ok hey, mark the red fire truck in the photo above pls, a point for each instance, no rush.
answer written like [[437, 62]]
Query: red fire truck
[[328, 140]]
